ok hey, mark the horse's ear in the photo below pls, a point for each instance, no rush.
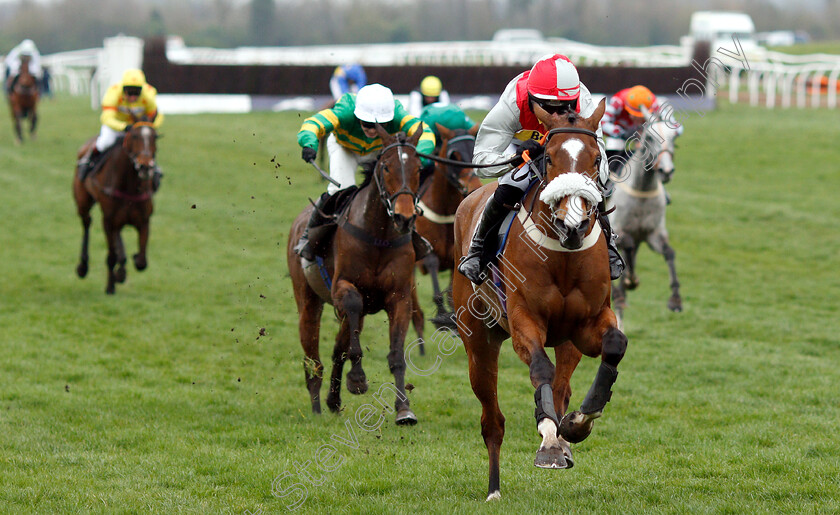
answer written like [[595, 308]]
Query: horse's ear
[[595, 120], [380, 130], [544, 116], [443, 131], [473, 130], [416, 136]]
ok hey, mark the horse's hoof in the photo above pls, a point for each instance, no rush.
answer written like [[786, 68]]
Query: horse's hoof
[[444, 320], [140, 262], [356, 384], [82, 270], [406, 417], [110, 290], [495, 496], [675, 304], [576, 426], [334, 403], [631, 283], [550, 458], [120, 274]]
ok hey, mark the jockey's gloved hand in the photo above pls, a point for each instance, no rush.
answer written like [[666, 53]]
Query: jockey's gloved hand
[[533, 147], [308, 154]]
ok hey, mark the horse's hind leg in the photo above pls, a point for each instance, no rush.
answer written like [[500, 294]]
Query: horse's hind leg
[[310, 308], [660, 244], [443, 318], [84, 203], [605, 338], [33, 123], [142, 239]]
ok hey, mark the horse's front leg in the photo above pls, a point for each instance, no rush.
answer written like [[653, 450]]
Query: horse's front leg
[[399, 312], [417, 318], [119, 273], [660, 244], [529, 337], [18, 131], [443, 318], [600, 337], [111, 235], [566, 359], [33, 123], [142, 239], [349, 305]]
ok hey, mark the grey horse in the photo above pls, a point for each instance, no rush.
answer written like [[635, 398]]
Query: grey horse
[[640, 201]]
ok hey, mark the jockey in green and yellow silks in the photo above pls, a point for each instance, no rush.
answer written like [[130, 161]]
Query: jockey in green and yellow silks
[[353, 139]]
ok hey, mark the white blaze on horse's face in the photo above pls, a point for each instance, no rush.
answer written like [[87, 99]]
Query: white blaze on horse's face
[[573, 147]]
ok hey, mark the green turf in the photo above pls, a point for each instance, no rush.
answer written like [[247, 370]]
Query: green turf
[[167, 398]]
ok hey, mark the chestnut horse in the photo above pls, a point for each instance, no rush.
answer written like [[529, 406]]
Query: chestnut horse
[[370, 267], [444, 191], [556, 294], [122, 185], [639, 214], [23, 100]]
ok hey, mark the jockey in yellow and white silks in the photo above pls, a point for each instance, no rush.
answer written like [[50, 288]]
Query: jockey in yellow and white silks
[[126, 102], [510, 128]]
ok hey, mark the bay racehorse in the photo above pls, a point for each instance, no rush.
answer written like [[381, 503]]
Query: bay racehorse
[[23, 101], [366, 268], [443, 191], [122, 185], [639, 200], [555, 292]]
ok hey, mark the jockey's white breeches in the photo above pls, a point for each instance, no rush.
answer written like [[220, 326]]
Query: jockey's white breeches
[[343, 164], [107, 137]]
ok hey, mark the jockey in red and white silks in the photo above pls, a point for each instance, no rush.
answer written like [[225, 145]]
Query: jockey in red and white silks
[[511, 127]]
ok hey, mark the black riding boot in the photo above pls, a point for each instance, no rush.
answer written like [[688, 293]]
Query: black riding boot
[[616, 261], [303, 248], [470, 264], [87, 162], [157, 175]]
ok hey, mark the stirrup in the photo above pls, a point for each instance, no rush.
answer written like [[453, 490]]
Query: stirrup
[[470, 267]]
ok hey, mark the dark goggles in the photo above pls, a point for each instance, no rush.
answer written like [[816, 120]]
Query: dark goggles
[[368, 125], [132, 90], [560, 107]]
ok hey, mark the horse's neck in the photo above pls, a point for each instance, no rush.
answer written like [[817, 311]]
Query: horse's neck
[[442, 197], [121, 174], [368, 212], [638, 172]]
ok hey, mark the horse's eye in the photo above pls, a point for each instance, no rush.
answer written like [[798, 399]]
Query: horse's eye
[[598, 161], [547, 159]]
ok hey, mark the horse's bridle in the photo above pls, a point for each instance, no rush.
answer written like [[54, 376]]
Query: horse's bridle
[[388, 200], [463, 145], [141, 168]]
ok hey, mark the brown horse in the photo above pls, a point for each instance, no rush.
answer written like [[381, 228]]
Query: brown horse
[[370, 267], [23, 100], [122, 185], [446, 189], [556, 294]]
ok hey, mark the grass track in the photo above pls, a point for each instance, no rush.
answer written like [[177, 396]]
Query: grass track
[[166, 398]]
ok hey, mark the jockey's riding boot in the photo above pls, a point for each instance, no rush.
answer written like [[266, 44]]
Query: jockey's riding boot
[[157, 175], [86, 162], [303, 248], [616, 261], [470, 264]]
